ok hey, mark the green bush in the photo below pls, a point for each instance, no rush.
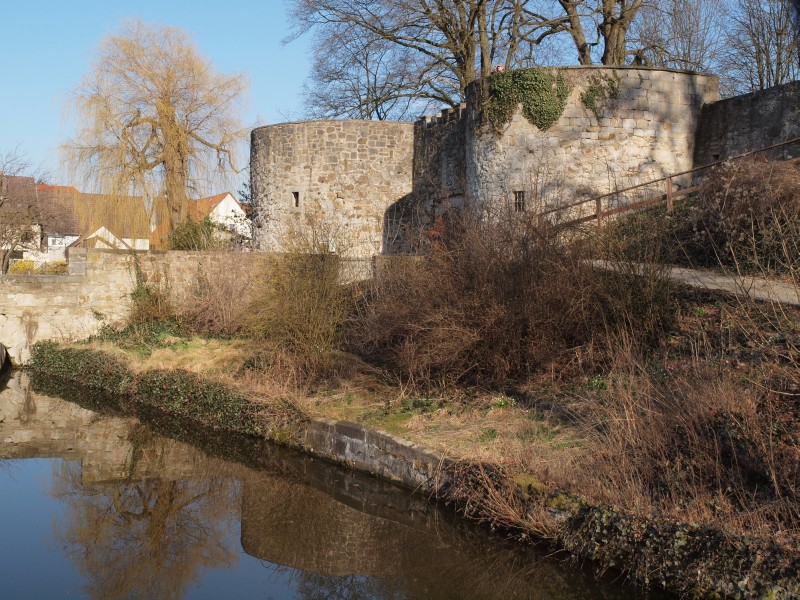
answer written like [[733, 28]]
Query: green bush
[[188, 395], [198, 235], [88, 368]]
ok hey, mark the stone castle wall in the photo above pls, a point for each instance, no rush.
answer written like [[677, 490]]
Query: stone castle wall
[[65, 307], [644, 130], [332, 180], [744, 123], [381, 186]]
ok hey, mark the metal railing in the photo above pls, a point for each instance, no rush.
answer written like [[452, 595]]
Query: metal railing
[[625, 199]]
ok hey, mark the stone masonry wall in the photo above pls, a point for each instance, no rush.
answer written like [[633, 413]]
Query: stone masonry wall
[[749, 122], [65, 307], [439, 179], [643, 131], [98, 291], [330, 179]]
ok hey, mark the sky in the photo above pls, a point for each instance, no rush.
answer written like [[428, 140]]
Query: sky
[[48, 46]]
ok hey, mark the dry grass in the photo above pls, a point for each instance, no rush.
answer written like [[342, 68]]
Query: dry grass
[[211, 357], [692, 441]]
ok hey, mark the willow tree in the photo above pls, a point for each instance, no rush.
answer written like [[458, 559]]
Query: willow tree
[[155, 118]]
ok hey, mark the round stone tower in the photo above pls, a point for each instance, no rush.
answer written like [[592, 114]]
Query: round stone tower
[[330, 180]]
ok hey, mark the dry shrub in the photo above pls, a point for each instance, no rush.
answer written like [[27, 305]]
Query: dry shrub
[[696, 444], [222, 292], [497, 300], [149, 303], [748, 218], [300, 308]]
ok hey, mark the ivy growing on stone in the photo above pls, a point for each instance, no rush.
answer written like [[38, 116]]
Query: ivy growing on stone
[[543, 94], [601, 88]]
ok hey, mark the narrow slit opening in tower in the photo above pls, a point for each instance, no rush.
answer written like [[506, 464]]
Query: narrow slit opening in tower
[[519, 201]]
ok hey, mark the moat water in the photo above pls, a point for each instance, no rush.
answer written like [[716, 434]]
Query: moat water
[[112, 506]]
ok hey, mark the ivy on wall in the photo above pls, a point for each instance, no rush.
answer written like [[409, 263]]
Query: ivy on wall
[[542, 92], [601, 88]]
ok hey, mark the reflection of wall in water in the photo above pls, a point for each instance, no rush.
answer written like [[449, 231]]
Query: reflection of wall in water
[[33, 425], [296, 525]]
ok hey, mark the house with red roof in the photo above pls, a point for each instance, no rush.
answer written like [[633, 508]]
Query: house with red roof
[[223, 210]]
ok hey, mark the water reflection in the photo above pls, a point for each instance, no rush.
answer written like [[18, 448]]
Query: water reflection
[[143, 539], [147, 516]]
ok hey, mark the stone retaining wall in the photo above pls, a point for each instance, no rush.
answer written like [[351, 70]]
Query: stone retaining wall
[[65, 307], [376, 452], [98, 289]]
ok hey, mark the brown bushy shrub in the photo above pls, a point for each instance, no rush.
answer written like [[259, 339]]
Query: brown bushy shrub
[[221, 294], [300, 306], [498, 300], [747, 218], [694, 443]]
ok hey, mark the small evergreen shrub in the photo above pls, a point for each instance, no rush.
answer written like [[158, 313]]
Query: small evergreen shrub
[[198, 235], [188, 395], [88, 368]]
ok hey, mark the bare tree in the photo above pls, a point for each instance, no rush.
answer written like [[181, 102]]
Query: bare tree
[[155, 118], [762, 46], [385, 55], [610, 19], [21, 213], [680, 34], [358, 75]]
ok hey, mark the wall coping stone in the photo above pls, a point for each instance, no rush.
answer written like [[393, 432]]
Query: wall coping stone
[[332, 121]]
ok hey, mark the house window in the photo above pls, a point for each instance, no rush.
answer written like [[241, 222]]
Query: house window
[[519, 201], [296, 199]]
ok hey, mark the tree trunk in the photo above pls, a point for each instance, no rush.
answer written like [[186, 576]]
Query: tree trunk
[[614, 28], [175, 161], [576, 31]]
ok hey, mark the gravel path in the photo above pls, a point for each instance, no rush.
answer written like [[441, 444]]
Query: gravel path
[[757, 288]]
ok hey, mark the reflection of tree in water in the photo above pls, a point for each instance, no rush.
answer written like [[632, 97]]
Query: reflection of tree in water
[[315, 586], [144, 539]]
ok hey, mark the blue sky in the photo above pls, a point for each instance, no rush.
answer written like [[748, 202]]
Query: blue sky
[[48, 46]]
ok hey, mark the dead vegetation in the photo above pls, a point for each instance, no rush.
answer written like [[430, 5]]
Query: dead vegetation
[[498, 302], [504, 347]]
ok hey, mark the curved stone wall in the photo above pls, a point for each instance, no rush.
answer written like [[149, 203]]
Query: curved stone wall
[[332, 179], [642, 127]]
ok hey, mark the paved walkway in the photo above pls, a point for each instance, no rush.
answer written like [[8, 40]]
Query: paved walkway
[[757, 288]]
